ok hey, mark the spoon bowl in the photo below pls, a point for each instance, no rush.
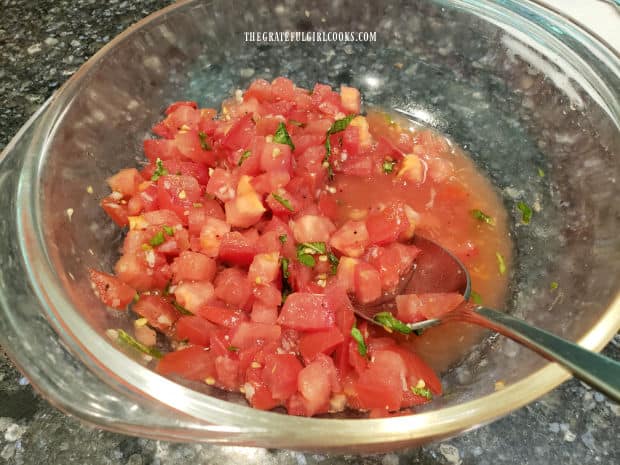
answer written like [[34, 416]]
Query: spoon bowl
[[438, 270]]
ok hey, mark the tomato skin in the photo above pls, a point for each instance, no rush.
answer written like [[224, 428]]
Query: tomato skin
[[380, 385], [115, 210], [325, 341], [194, 329], [307, 312], [157, 310], [111, 290], [173, 106], [193, 266], [164, 149], [193, 363], [240, 134], [280, 374], [221, 316], [419, 307]]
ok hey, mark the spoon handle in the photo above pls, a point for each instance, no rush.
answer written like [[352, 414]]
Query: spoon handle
[[595, 369]]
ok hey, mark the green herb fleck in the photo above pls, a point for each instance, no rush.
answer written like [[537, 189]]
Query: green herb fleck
[[306, 250], [136, 298], [204, 143], [283, 238], [169, 230], [130, 341], [419, 332], [388, 166], [554, 285], [526, 212], [424, 392], [501, 264], [391, 323], [159, 170], [338, 126], [244, 156], [284, 264], [157, 239], [166, 291], [541, 173], [233, 349], [297, 123], [281, 136], [481, 216], [333, 262], [285, 202], [180, 308], [475, 298], [357, 336]]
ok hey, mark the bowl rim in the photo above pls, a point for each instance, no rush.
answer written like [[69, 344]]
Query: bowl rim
[[333, 432]]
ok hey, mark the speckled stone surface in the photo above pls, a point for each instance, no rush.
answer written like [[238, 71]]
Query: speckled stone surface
[[41, 44]]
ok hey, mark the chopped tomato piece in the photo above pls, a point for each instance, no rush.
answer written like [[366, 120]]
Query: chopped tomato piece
[[193, 363], [419, 307], [157, 310], [111, 290], [324, 341], [306, 312]]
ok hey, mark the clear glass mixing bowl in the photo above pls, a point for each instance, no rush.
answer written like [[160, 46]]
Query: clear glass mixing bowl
[[520, 87]]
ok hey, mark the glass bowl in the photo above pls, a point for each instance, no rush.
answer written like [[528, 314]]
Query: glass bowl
[[532, 97]]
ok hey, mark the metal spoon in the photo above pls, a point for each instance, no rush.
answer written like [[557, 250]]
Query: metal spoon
[[437, 270]]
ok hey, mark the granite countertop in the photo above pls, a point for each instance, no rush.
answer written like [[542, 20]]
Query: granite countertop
[[43, 43]]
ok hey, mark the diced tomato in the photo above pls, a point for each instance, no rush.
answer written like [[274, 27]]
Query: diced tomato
[[385, 226], [306, 312], [351, 239], [173, 106], [350, 97], [164, 149], [312, 228], [381, 384], [235, 249], [232, 286], [193, 363], [247, 208], [125, 181], [194, 295], [157, 310], [281, 374], [259, 89], [418, 307], [115, 210], [249, 334], [195, 147], [178, 193], [227, 371], [220, 315], [111, 290], [315, 387], [211, 234], [418, 369], [240, 134], [367, 283], [264, 268], [193, 266], [324, 341], [263, 313], [194, 329], [222, 184]]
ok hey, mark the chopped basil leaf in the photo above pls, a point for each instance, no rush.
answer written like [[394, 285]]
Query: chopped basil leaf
[[204, 143], [554, 285], [419, 332], [526, 212], [284, 264], [166, 291], [389, 322], [157, 239], [136, 298], [159, 170], [423, 392], [180, 308], [244, 156], [281, 136], [283, 238], [475, 297], [307, 260], [315, 247], [333, 262], [357, 336], [541, 173], [233, 348], [388, 166], [135, 344], [338, 126], [481, 216], [501, 264], [285, 202], [169, 230]]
